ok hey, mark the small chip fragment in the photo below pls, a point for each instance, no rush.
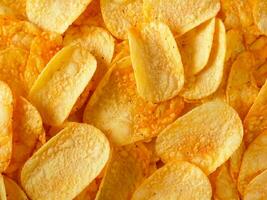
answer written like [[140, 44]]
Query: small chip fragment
[[13, 191]]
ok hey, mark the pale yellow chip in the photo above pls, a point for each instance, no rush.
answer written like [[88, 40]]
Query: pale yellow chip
[[126, 170], [195, 46], [2, 188], [62, 81], [157, 63], [177, 180], [66, 164], [119, 16], [242, 89], [6, 107], [206, 136], [13, 191], [183, 15], [125, 117], [208, 81], [254, 161], [260, 15], [55, 16]]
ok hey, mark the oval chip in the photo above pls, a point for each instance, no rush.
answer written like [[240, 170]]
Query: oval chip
[[206, 136], [62, 81], [66, 164], [157, 63], [13, 191]]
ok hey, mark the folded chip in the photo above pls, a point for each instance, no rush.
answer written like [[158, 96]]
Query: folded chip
[[206, 136], [66, 164], [13, 190]]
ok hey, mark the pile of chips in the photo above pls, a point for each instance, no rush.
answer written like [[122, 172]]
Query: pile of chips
[[133, 99]]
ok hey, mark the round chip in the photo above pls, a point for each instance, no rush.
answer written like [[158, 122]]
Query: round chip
[[260, 15], [176, 180], [66, 164], [13, 191], [157, 63], [206, 136]]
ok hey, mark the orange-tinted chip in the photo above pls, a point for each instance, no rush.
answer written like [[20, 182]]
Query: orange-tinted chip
[[13, 190], [260, 15]]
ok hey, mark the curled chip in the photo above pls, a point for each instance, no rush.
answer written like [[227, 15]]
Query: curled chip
[[176, 180], [119, 16], [256, 122], [242, 89], [157, 64], [79, 153], [62, 81], [254, 161], [125, 117], [13, 191], [206, 136], [6, 107], [2, 188], [28, 135], [260, 15], [57, 15], [257, 188], [195, 46], [183, 15], [126, 170], [208, 80]]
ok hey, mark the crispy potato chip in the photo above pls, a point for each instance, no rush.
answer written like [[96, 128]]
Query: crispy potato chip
[[183, 15], [79, 153], [19, 6], [89, 193], [13, 191], [242, 89], [254, 161], [195, 46], [176, 180], [55, 16], [257, 188], [6, 11], [260, 74], [255, 122], [260, 15], [2, 188], [28, 135], [157, 64], [126, 170], [6, 107], [119, 16], [121, 51], [125, 117], [235, 161], [206, 136], [61, 82], [208, 81]]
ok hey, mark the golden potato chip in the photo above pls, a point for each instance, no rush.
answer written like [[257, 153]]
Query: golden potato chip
[[28, 135], [126, 170], [55, 16], [208, 81], [6, 107], [2, 188], [255, 122], [125, 117], [13, 191], [206, 136], [260, 74], [176, 180], [260, 15], [121, 51], [157, 63], [242, 89], [74, 157], [119, 16], [254, 161], [89, 193], [61, 82], [183, 15], [195, 46], [6, 11], [235, 161], [19, 6], [257, 188]]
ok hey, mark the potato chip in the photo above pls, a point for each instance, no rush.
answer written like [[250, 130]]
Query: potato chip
[[119, 16], [126, 170], [6, 107], [208, 81], [257, 188], [195, 46], [61, 82], [28, 135], [13, 191], [19, 6], [183, 15], [242, 89], [235, 161], [125, 117], [255, 122], [6, 11], [2, 188], [254, 161], [89, 193], [206, 136], [260, 74], [157, 64], [79, 153], [121, 51], [176, 180], [260, 15], [55, 16]]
